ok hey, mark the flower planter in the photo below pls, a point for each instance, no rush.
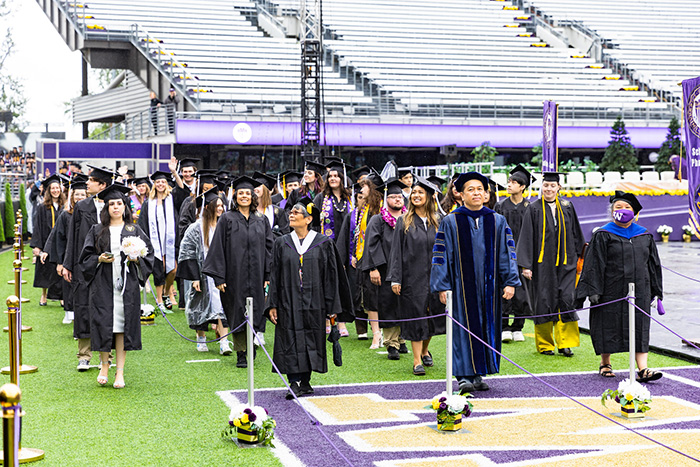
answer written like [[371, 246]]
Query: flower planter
[[664, 238], [247, 435], [628, 411], [686, 238], [449, 422]]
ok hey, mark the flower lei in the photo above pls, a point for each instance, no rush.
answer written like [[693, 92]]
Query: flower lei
[[388, 218], [327, 217]]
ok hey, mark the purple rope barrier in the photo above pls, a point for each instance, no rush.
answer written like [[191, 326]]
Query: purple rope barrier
[[574, 400], [524, 317], [666, 327], [311, 418], [679, 274]]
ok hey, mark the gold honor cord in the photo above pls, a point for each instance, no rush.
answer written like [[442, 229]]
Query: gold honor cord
[[544, 225], [53, 218], [560, 216]]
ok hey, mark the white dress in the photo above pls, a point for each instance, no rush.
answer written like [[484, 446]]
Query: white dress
[[115, 234]]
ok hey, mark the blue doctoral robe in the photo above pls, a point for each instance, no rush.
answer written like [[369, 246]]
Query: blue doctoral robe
[[474, 257]]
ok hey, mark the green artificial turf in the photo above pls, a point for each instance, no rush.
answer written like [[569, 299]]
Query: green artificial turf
[[169, 414]]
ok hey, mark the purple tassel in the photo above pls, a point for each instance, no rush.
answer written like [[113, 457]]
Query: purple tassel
[[660, 307]]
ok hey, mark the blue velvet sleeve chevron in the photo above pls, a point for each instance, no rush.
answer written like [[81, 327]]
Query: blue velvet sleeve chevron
[[439, 248], [511, 243]]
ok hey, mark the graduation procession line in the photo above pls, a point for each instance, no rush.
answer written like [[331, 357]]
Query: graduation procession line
[[648, 438]]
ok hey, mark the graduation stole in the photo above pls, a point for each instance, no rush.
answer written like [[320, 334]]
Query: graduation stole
[[481, 355], [360, 229], [327, 217], [560, 224]]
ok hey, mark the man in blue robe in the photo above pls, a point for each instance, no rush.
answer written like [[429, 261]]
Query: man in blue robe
[[474, 257]]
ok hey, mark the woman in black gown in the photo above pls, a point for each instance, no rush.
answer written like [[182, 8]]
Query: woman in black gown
[[113, 282], [621, 252]]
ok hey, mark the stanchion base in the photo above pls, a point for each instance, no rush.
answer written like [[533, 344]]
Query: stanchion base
[[25, 269], [24, 300], [23, 369], [27, 455], [24, 328], [24, 258], [13, 281]]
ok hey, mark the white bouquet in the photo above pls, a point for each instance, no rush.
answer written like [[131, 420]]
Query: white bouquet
[[134, 248], [664, 229], [629, 393]]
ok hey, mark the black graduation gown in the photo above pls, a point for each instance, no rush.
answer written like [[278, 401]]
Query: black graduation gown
[[378, 240], [410, 265], [342, 242], [610, 264], [519, 305], [552, 286], [179, 197], [280, 222], [300, 337], [186, 217], [84, 217], [277, 198], [338, 216], [240, 255], [45, 276], [295, 196], [101, 289], [56, 248]]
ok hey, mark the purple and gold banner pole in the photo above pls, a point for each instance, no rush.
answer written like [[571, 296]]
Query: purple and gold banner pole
[[691, 117], [550, 149]]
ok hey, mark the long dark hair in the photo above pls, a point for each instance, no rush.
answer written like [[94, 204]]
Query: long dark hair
[[102, 243], [344, 192], [449, 200], [374, 199], [253, 202], [209, 219], [48, 200]]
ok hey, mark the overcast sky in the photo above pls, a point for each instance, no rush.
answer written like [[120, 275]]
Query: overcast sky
[[50, 72]]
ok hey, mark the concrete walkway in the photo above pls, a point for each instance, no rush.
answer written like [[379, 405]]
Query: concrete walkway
[[681, 301]]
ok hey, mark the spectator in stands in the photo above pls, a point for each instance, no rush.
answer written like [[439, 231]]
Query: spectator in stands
[[155, 104], [171, 103]]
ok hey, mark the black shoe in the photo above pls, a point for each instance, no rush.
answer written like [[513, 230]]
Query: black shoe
[[296, 389], [305, 388], [480, 384], [418, 370], [547, 352], [403, 348], [167, 303], [566, 352], [646, 375], [465, 387], [393, 353], [427, 359], [242, 361]]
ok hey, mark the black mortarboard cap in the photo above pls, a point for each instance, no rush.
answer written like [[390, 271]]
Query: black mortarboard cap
[[79, 177], [161, 175], [426, 185], [628, 197], [206, 176], [114, 191], [315, 166], [78, 185], [244, 182], [494, 186], [55, 178], [393, 186], [465, 177], [265, 179], [102, 174], [65, 181], [437, 181], [338, 164], [188, 162], [375, 178], [141, 180], [552, 177], [310, 209], [207, 197], [521, 175], [292, 177], [364, 170]]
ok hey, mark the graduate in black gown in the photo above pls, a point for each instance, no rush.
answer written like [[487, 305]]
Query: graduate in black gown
[[240, 254], [333, 202], [58, 239], [114, 281], [550, 243], [45, 276], [311, 184], [513, 209], [621, 252], [205, 181], [288, 182], [409, 273], [379, 238], [85, 215], [307, 286]]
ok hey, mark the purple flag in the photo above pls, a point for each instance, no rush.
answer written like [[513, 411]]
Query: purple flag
[[691, 114], [550, 151]]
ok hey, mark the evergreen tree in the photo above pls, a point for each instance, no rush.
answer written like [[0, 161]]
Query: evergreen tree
[[23, 207], [2, 231], [537, 157], [9, 209], [485, 152], [620, 154], [671, 146]]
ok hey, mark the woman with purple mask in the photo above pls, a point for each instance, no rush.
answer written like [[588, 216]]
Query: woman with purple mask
[[621, 252]]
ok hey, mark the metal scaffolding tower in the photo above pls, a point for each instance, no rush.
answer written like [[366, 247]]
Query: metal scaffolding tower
[[311, 79]]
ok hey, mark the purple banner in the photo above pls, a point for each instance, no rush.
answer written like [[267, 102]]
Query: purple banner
[[691, 114], [549, 137], [409, 135]]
